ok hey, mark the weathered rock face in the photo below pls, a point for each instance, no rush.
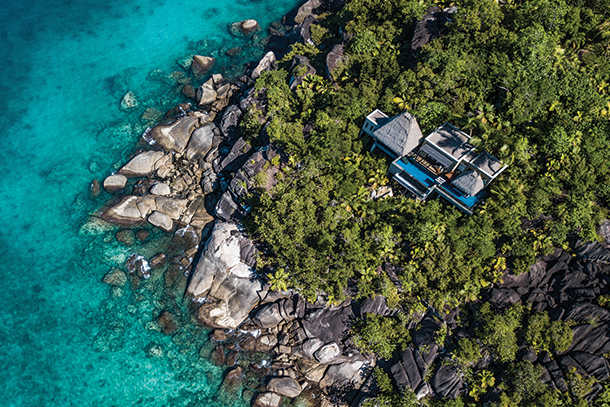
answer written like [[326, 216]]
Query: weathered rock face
[[353, 372], [333, 59], [200, 142], [223, 279], [268, 62], [328, 324], [160, 189], [115, 182], [285, 386], [229, 125], [123, 212], [161, 220], [238, 155], [300, 69], [206, 93], [175, 136], [328, 353], [142, 164], [447, 383], [426, 29], [268, 316], [306, 10], [267, 399], [201, 65]]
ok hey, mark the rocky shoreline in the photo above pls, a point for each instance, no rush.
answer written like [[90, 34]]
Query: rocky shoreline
[[190, 179]]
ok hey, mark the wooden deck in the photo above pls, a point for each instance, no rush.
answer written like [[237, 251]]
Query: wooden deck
[[436, 170]]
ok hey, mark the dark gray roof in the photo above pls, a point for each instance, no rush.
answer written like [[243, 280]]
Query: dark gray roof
[[451, 140], [401, 134], [487, 163], [469, 182]]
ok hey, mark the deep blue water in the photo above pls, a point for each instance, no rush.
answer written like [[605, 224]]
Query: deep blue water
[[65, 339]]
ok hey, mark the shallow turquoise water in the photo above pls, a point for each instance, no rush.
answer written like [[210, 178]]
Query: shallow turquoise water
[[66, 340]]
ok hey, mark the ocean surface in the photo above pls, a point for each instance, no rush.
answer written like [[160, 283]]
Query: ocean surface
[[66, 338]]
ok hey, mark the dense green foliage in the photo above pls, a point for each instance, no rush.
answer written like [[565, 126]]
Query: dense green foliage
[[381, 335], [530, 81]]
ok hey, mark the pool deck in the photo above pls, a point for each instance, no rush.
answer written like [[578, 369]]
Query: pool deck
[[422, 183]]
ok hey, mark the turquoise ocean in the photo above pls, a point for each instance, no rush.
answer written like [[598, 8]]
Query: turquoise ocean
[[66, 338]]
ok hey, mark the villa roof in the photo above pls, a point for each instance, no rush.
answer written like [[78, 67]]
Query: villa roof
[[469, 182], [451, 140], [487, 164], [377, 117], [401, 134]]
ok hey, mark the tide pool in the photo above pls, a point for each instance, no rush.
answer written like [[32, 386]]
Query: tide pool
[[67, 338]]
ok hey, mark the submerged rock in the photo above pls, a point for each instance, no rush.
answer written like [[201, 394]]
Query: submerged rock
[[126, 236], [167, 322], [201, 65], [129, 101], [115, 278]]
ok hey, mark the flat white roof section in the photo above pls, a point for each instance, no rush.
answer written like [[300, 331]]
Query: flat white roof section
[[451, 141]]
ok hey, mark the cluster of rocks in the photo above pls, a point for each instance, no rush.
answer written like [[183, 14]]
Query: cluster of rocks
[[310, 343], [561, 284]]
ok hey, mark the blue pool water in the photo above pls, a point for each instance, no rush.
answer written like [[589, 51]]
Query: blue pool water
[[67, 340]]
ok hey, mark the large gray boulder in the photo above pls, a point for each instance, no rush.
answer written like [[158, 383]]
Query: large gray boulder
[[328, 353], [328, 324], [161, 189], [308, 348], [175, 136], [227, 284], [268, 316], [267, 399], [229, 125], [447, 382], [265, 64], [206, 94], [408, 372], [123, 212], [161, 220], [333, 59], [142, 164], [340, 374], [115, 182], [306, 9], [200, 142], [285, 386]]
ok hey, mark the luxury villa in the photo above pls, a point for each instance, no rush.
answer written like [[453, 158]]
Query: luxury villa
[[442, 164]]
